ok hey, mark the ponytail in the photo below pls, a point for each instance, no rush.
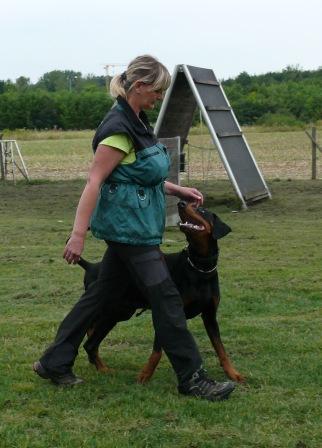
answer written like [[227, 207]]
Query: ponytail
[[117, 87]]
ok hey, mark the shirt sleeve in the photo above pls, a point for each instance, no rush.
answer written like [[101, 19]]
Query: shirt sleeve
[[119, 141]]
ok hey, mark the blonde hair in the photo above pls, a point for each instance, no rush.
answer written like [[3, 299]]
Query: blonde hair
[[144, 68]]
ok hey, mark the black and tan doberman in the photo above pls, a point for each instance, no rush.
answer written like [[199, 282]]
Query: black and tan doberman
[[194, 271]]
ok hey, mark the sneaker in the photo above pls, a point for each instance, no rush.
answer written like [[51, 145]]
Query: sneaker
[[65, 379], [201, 386]]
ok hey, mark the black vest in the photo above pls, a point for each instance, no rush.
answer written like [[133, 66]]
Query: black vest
[[122, 119]]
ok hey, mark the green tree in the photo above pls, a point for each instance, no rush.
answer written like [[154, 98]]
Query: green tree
[[22, 83], [58, 80]]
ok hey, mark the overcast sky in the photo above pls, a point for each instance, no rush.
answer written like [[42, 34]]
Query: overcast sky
[[229, 36]]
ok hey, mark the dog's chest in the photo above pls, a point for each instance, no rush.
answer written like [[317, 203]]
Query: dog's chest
[[196, 289]]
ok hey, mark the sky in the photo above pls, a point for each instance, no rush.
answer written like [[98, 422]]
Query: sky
[[228, 36]]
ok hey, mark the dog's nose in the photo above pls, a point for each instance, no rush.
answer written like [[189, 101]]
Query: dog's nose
[[182, 204]]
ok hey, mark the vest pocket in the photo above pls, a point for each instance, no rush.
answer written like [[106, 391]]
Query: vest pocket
[[114, 193], [143, 196], [129, 213], [127, 195]]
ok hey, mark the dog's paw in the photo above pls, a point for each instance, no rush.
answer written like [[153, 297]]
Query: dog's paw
[[236, 376], [100, 365], [104, 369], [144, 376]]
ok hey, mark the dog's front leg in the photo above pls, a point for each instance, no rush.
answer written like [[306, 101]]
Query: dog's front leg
[[212, 328], [154, 359], [95, 336]]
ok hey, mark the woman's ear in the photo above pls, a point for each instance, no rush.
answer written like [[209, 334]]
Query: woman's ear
[[137, 87]]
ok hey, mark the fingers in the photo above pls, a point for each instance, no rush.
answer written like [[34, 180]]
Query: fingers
[[71, 257], [200, 197], [73, 249], [192, 195], [197, 197]]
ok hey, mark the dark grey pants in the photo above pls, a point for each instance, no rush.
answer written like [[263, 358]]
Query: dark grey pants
[[121, 266]]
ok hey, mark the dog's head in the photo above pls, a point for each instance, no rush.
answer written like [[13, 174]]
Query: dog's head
[[200, 226]]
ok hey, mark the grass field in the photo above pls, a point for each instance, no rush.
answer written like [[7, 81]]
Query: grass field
[[280, 154], [270, 317]]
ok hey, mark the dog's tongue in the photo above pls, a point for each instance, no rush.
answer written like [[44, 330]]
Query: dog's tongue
[[189, 225]]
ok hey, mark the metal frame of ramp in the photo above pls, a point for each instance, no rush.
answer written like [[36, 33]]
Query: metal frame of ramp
[[194, 86], [8, 162]]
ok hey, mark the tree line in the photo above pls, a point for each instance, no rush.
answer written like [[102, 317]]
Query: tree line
[[290, 97], [68, 100]]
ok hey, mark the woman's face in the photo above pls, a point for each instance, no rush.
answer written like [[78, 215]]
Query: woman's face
[[148, 96]]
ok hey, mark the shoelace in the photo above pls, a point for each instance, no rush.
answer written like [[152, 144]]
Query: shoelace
[[205, 383]]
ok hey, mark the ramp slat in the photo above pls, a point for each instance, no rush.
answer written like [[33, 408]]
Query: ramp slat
[[208, 82], [218, 109], [229, 134]]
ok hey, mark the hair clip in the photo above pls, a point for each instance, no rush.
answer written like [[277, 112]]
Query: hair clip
[[123, 77]]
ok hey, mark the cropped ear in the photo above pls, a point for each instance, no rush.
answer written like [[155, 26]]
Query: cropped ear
[[220, 229]]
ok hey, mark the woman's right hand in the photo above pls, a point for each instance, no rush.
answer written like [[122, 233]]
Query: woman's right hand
[[73, 249], [105, 160]]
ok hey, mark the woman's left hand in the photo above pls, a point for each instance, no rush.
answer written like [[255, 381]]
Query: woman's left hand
[[191, 195], [186, 193]]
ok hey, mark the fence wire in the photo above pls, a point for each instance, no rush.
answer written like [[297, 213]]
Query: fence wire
[[279, 155]]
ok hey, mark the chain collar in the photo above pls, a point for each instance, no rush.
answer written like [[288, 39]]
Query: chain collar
[[203, 271]]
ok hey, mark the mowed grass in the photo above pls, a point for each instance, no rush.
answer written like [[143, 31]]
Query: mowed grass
[[270, 318], [280, 154]]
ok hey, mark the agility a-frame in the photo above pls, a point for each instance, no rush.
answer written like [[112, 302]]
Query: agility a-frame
[[193, 87], [11, 160]]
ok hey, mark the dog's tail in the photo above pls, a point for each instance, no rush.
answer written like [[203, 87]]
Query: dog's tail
[[84, 264]]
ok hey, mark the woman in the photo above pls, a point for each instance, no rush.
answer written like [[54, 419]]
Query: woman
[[124, 203]]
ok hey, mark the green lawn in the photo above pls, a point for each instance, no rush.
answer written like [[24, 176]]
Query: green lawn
[[57, 155], [270, 317]]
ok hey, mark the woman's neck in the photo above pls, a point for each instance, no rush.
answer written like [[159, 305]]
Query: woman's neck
[[134, 103]]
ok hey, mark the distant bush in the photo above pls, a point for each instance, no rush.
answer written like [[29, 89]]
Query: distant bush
[[67, 100], [44, 110], [292, 94], [279, 120]]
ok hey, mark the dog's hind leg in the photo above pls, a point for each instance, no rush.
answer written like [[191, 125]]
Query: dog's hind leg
[[212, 328], [154, 359]]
